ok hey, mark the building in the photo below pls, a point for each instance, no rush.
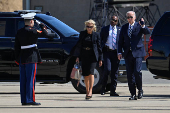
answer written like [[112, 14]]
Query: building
[[75, 12], [11, 5], [72, 12]]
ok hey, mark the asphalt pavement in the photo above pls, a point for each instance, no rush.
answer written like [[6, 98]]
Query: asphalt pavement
[[63, 98]]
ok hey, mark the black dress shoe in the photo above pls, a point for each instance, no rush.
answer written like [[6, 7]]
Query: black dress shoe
[[32, 103], [140, 94], [24, 104], [133, 97], [102, 92], [114, 94]]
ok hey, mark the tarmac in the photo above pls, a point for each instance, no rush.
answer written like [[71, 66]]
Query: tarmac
[[63, 98]]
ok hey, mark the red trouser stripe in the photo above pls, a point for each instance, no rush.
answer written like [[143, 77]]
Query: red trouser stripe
[[33, 83]]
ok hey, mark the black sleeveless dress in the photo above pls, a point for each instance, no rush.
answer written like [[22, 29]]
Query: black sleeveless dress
[[88, 57]]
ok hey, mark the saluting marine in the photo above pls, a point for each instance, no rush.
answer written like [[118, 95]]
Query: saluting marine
[[27, 56]]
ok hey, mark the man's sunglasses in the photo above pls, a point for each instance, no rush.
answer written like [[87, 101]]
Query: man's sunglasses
[[114, 20], [129, 17], [89, 26]]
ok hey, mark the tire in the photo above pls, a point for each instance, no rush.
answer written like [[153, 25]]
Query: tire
[[160, 72], [97, 85]]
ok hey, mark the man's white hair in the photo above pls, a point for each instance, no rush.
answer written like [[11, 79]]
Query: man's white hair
[[131, 12]]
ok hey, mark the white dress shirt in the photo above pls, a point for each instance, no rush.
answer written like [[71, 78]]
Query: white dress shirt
[[132, 29], [133, 26], [110, 37]]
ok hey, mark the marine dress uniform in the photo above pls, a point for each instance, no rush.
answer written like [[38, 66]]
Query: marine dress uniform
[[27, 56]]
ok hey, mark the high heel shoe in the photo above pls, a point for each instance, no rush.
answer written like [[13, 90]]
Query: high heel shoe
[[88, 97]]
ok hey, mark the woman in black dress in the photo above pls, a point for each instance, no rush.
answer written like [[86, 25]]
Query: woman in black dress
[[89, 49]]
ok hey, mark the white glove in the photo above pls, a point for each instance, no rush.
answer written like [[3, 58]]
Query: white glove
[[37, 22]]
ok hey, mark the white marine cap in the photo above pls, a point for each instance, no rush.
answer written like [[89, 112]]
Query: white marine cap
[[28, 15]]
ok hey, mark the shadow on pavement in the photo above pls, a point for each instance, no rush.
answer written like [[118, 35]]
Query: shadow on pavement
[[43, 93], [157, 96]]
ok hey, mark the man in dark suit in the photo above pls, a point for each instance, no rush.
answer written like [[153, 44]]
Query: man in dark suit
[[130, 39], [109, 39]]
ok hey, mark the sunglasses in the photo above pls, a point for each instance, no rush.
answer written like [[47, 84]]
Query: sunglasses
[[114, 20], [129, 17], [89, 26]]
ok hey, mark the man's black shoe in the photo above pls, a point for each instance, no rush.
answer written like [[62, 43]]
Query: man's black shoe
[[114, 94], [32, 103], [140, 94], [102, 92], [24, 104], [133, 97]]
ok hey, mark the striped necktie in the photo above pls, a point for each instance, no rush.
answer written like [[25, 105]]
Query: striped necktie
[[114, 38], [130, 31]]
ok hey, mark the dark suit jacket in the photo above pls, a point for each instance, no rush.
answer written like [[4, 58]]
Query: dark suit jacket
[[105, 33], [28, 36], [135, 42], [96, 45]]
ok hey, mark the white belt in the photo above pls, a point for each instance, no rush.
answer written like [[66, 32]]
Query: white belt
[[28, 46]]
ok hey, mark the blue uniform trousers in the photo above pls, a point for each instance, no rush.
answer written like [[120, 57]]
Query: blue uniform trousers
[[27, 82], [134, 76], [111, 64]]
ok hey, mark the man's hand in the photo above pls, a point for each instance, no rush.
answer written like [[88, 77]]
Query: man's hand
[[100, 63], [119, 56], [42, 26], [37, 22], [141, 22], [77, 59]]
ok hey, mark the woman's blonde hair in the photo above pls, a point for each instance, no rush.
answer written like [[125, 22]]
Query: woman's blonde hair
[[91, 22]]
